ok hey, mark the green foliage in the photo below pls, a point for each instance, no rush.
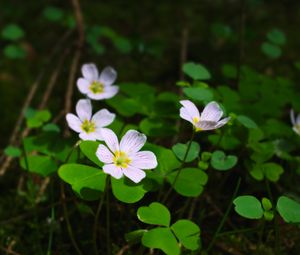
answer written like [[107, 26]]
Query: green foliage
[[155, 213], [165, 238], [127, 191], [12, 151], [12, 32], [270, 170], [189, 181], [221, 162], [271, 50], [187, 232], [35, 119], [288, 209], [87, 182], [276, 36], [180, 150], [14, 51], [89, 148], [42, 165], [199, 94], [196, 71], [248, 207], [246, 121], [53, 13]]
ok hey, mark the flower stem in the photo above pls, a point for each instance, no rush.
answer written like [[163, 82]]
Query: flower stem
[[224, 217], [180, 168]]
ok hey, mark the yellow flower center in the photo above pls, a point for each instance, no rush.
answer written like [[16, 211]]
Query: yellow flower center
[[96, 87], [88, 126], [195, 121], [121, 159], [297, 126]]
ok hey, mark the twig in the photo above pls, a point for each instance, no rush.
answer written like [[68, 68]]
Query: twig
[[76, 58]]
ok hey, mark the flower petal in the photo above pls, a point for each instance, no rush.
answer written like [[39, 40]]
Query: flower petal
[[296, 130], [83, 85], [104, 154], [110, 139], [211, 112], [134, 174], [109, 92], [132, 141], [292, 115], [206, 125], [84, 109], [103, 118], [113, 170], [74, 122], [108, 76], [189, 111], [144, 160], [298, 119], [88, 136], [222, 122], [90, 71]]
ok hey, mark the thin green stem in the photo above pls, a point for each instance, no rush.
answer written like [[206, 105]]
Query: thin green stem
[[224, 217], [180, 168], [96, 221]]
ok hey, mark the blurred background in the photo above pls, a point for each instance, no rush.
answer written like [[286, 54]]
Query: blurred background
[[250, 47], [144, 41]]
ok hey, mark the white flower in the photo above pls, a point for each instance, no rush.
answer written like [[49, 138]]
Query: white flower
[[89, 127], [209, 118], [124, 158], [97, 86], [295, 121]]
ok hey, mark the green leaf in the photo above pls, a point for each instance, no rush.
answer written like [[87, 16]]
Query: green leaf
[[248, 207], [12, 151], [88, 182], [268, 215], [165, 158], [127, 191], [199, 94], [188, 233], [89, 148], [157, 127], [266, 203], [271, 50], [276, 36], [229, 71], [180, 149], [271, 171], [135, 236], [37, 118], [12, 32], [156, 214], [221, 162], [246, 121], [53, 13], [14, 51], [288, 209], [42, 165], [189, 182], [163, 239], [196, 71], [51, 127]]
